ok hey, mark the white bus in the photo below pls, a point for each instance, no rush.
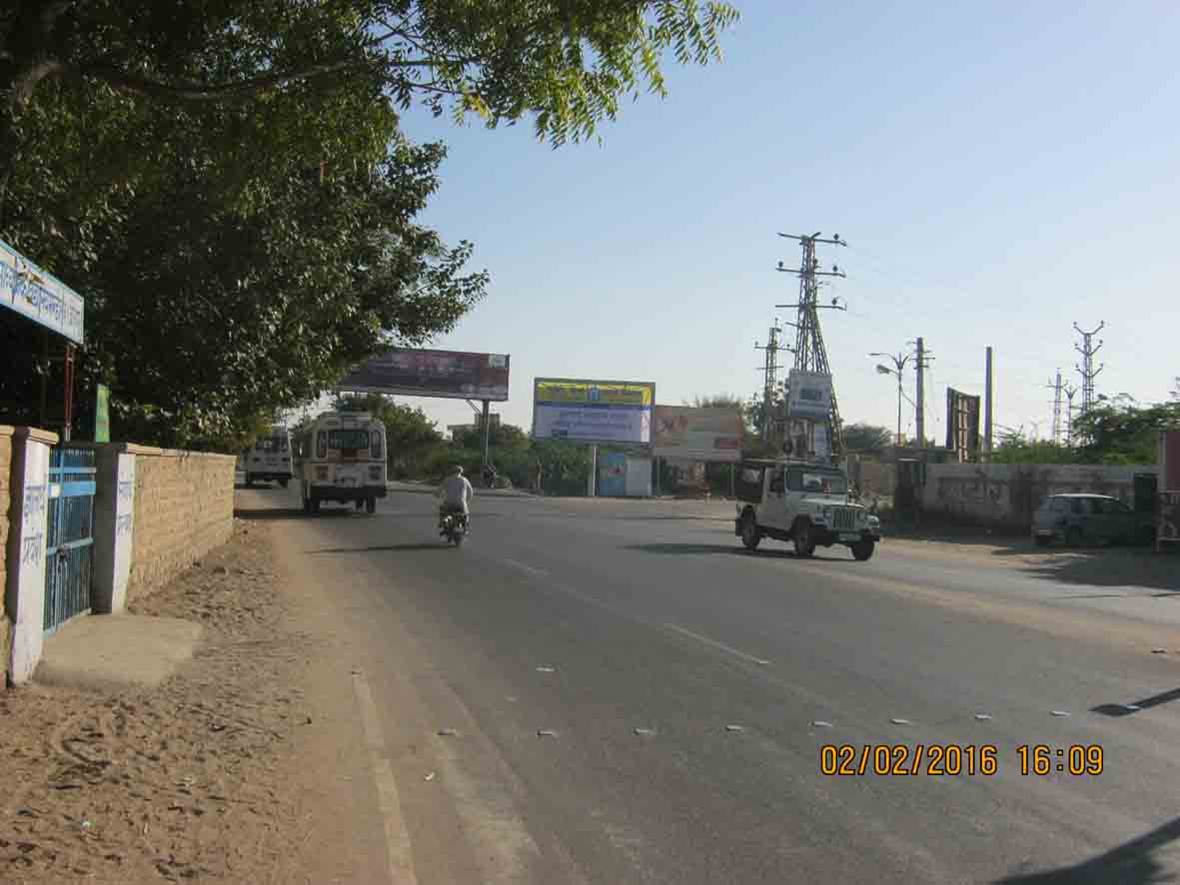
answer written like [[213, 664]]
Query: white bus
[[270, 458], [341, 457]]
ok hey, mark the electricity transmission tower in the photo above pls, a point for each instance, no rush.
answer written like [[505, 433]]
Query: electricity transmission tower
[[1070, 392], [770, 377], [1086, 369], [810, 353], [1055, 386]]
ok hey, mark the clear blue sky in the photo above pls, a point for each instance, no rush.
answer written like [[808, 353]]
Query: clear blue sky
[[999, 170]]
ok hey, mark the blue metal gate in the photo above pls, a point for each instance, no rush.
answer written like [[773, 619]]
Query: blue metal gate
[[68, 558]]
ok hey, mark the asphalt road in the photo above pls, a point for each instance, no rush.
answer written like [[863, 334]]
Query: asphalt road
[[636, 699]]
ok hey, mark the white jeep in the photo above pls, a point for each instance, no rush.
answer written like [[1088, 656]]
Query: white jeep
[[805, 503]]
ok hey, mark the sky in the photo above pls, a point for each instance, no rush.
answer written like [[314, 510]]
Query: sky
[[999, 171]]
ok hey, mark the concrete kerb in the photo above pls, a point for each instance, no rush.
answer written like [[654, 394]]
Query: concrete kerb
[[117, 651]]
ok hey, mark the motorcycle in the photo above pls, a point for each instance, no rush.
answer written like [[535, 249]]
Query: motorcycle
[[453, 527]]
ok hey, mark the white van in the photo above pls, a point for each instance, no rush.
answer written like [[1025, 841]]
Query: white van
[[341, 457], [270, 458]]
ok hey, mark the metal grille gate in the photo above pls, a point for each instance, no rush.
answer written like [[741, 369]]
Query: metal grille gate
[[68, 557]]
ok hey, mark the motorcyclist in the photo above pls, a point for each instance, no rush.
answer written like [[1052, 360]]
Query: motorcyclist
[[454, 494], [489, 475]]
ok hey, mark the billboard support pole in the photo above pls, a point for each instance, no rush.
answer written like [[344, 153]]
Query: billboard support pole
[[590, 484], [487, 427]]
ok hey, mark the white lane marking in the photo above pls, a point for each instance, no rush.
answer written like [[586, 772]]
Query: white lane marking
[[538, 572], [399, 857], [719, 645]]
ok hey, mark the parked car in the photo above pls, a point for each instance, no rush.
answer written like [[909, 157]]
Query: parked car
[[1081, 518]]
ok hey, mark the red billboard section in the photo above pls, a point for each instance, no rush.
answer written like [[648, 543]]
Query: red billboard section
[[440, 373], [1170, 462]]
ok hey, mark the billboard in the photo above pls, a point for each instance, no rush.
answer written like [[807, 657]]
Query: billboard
[[713, 434], [581, 410], [962, 424], [441, 373], [809, 395]]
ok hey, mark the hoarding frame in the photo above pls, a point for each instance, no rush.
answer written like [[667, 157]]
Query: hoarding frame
[[713, 454], [494, 393], [597, 382]]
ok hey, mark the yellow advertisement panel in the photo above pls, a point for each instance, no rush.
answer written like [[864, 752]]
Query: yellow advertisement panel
[[584, 410]]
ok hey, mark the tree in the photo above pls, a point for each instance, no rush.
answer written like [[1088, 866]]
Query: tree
[[1120, 431], [564, 62], [862, 437]]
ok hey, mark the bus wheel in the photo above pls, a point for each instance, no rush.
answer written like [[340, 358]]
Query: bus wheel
[[249, 480], [370, 505], [283, 482], [359, 504], [315, 505]]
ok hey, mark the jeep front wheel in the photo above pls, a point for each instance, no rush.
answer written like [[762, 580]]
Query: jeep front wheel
[[751, 536], [862, 550], [804, 542]]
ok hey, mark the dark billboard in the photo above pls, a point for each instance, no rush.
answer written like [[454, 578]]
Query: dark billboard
[[441, 373], [962, 424]]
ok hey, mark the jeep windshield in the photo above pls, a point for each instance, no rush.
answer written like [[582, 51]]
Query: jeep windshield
[[824, 482]]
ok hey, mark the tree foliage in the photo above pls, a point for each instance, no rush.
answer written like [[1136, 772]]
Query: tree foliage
[[226, 184], [1122, 432], [862, 437]]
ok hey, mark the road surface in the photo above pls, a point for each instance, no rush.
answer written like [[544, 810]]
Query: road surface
[[613, 691]]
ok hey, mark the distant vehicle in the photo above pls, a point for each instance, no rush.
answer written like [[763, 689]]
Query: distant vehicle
[[341, 457], [1083, 518], [807, 504], [270, 458]]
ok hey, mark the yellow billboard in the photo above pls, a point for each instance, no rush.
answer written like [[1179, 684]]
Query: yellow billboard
[[584, 410]]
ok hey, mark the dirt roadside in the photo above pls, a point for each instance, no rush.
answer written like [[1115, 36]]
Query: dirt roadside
[[226, 772]]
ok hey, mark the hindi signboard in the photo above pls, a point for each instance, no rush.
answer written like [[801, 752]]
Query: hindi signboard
[[438, 373], [39, 295], [582, 410], [809, 395], [709, 434]]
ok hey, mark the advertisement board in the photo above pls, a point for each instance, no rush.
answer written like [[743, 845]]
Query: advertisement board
[[440, 373], [39, 295], [690, 433], [588, 411], [962, 424], [809, 395]]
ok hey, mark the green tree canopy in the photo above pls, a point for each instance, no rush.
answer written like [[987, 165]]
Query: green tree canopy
[[226, 184], [863, 437]]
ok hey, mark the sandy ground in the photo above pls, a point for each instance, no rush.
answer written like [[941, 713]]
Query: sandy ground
[[184, 782]]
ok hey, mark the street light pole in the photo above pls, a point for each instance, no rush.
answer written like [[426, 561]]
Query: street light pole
[[899, 364]]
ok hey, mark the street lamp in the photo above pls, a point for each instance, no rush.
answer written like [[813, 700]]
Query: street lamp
[[899, 363]]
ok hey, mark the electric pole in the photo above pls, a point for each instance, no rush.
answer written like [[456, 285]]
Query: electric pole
[[987, 406], [769, 377], [921, 364], [1086, 369], [1055, 386], [1070, 392], [810, 353]]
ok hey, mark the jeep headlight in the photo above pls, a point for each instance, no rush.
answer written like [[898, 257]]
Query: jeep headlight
[[874, 521]]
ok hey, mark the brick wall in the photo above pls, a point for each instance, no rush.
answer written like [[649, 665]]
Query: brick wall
[[5, 497], [184, 503]]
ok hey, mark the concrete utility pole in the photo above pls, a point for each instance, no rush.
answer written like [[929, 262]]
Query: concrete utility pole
[[987, 406], [899, 364], [922, 363], [810, 353], [769, 377], [1087, 349], [1055, 386]]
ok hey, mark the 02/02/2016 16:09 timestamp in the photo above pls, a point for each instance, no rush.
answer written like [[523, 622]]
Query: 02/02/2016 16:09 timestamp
[[1039, 760]]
